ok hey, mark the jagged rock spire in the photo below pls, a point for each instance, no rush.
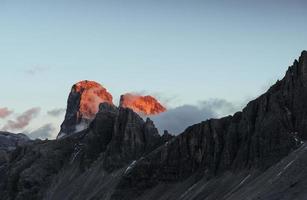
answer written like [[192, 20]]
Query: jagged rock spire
[[82, 106]]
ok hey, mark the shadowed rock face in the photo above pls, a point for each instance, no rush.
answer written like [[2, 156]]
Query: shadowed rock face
[[265, 131], [115, 138], [120, 156], [123, 136], [71, 117]]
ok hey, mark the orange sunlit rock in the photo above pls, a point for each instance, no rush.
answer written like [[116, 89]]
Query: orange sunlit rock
[[92, 94], [146, 105]]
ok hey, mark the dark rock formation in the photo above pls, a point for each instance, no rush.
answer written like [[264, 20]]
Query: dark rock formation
[[9, 142], [115, 138], [265, 131], [120, 156], [32, 167], [285, 180], [122, 135], [71, 117], [82, 106], [167, 136]]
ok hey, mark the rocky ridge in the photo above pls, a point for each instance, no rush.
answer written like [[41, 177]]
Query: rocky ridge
[[267, 129], [121, 156], [115, 138]]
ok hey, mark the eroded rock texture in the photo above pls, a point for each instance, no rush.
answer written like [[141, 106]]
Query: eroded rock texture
[[115, 138], [265, 131], [121, 156]]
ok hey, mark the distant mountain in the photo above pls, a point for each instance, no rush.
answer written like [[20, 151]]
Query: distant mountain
[[258, 153], [9, 141], [83, 103], [145, 105]]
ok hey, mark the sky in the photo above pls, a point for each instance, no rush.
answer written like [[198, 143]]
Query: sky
[[195, 53]]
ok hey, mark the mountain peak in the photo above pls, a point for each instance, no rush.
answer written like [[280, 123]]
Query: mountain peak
[[91, 95], [82, 105], [146, 105], [303, 61]]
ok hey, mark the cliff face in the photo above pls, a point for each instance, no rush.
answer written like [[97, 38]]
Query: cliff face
[[82, 106], [120, 156], [121, 135], [265, 131]]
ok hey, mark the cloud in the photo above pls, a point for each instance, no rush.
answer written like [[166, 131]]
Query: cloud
[[36, 70], [5, 112], [43, 132], [220, 106], [22, 120], [56, 112], [176, 120]]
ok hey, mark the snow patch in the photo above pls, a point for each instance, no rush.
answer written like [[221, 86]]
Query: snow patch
[[77, 150], [244, 179], [61, 135], [279, 173], [186, 192], [130, 166], [290, 163], [82, 126]]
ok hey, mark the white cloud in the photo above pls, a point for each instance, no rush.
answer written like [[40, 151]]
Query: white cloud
[[46, 131], [176, 120]]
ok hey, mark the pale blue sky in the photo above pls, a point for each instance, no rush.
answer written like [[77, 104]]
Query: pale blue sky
[[184, 51]]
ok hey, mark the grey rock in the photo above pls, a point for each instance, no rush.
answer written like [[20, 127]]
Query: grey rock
[[9, 141], [258, 153], [267, 129], [115, 138], [72, 118]]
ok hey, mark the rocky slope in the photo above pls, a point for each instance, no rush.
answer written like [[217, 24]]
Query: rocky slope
[[120, 156], [285, 180]]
